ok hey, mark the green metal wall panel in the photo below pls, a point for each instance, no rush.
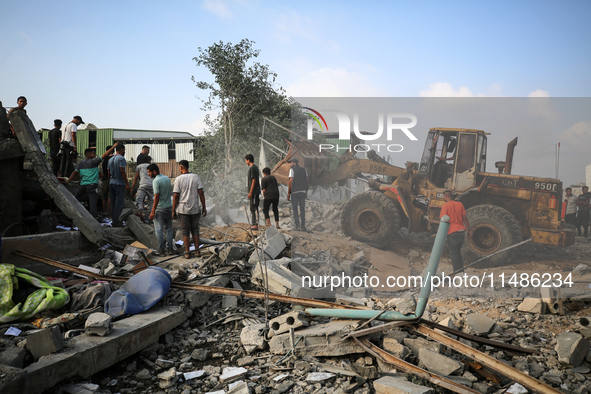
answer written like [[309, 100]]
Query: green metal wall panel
[[81, 141], [104, 138]]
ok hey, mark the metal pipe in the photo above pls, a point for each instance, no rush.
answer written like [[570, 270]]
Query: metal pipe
[[431, 270], [509, 157]]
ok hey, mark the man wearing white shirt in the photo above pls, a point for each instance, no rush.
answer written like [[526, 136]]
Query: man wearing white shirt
[[70, 150]]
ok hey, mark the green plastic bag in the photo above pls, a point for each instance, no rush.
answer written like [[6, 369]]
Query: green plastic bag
[[45, 298]]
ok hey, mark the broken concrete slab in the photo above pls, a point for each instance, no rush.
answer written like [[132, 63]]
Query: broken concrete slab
[[238, 388], [480, 324], [391, 385], [87, 355], [231, 374], [319, 377], [319, 340], [415, 345], [572, 348], [98, 323], [439, 363], [232, 253], [283, 281], [252, 337], [13, 356], [532, 305], [196, 299], [283, 323], [143, 232], [44, 342]]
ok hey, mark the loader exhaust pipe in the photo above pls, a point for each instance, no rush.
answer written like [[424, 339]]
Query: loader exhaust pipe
[[509, 157]]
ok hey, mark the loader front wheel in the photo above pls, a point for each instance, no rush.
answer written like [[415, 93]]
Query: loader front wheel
[[371, 217], [493, 229]]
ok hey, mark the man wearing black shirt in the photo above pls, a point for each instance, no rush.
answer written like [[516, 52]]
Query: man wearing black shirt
[[271, 195], [254, 189], [143, 154], [54, 145]]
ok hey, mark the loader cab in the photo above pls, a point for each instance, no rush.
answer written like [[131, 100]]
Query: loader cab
[[452, 157]]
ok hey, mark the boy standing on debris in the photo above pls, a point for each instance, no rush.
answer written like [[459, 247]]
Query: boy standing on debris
[[145, 189], [298, 191], [254, 190], [162, 211], [187, 187], [570, 214], [118, 183], [89, 175], [458, 225], [271, 196]]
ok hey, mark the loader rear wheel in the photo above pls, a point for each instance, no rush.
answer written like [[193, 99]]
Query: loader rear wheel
[[371, 217], [493, 228]]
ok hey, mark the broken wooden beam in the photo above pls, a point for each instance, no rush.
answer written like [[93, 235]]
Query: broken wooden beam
[[413, 369], [486, 360]]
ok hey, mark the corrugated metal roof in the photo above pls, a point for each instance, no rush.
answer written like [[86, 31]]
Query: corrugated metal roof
[[126, 134]]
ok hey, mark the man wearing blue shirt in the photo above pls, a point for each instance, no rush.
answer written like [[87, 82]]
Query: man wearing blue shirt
[[162, 211]]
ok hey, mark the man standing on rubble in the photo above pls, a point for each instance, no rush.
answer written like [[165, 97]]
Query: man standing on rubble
[[162, 211], [583, 202], [89, 176], [54, 146], [69, 147], [570, 214], [145, 189], [271, 196], [458, 225], [118, 183], [187, 187], [254, 190], [298, 191]]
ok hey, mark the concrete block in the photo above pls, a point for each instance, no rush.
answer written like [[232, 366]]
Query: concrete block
[[283, 323], [13, 380], [480, 324], [415, 345], [229, 301], [273, 242], [396, 335], [99, 323], [13, 356], [44, 342], [322, 340], [125, 213], [438, 363], [532, 305], [572, 348], [168, 378], [194, 375], [396, 348], [252, 337], [406, 305], [391, 385]]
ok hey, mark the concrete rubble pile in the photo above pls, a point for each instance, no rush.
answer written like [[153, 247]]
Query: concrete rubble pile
[[220, 343]]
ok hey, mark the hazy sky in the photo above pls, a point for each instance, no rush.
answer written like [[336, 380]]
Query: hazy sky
[[128, 64]]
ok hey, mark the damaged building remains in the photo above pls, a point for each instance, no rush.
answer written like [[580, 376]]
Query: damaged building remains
[[88, 308]]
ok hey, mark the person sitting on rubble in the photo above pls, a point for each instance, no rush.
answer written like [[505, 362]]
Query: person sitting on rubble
[[89, 176], [145, 189]]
